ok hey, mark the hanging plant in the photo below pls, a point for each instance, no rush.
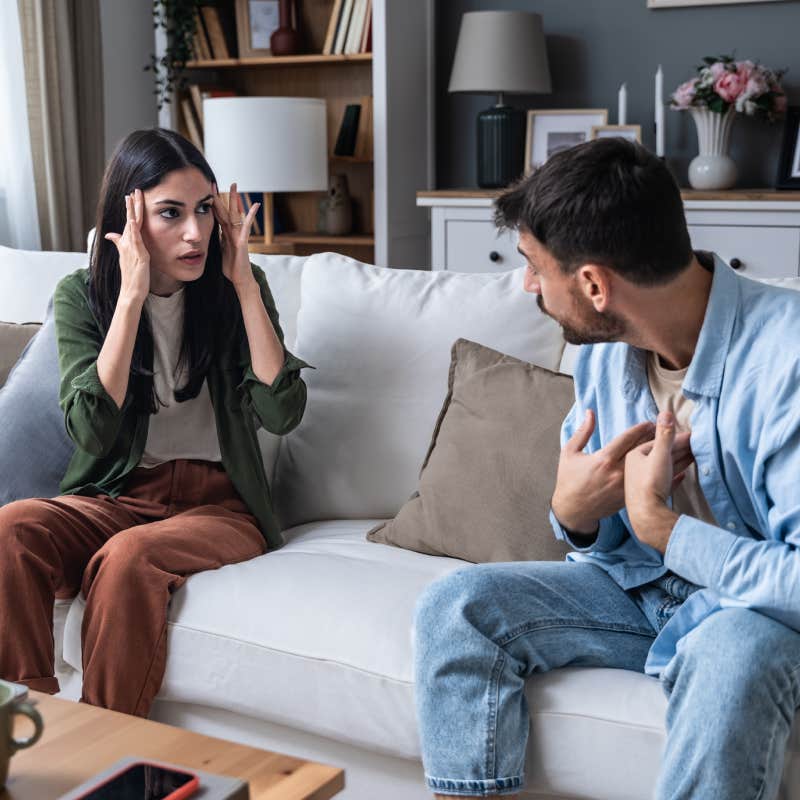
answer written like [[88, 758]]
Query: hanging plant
[[179, 20]]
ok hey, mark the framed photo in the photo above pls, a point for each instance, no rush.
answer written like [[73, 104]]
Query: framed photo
[[631, 132], [552, 130], [674, 3], [789, 163], [256, 20]]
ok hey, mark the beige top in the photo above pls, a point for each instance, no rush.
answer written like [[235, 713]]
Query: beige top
[[178, 430], [666, 386]]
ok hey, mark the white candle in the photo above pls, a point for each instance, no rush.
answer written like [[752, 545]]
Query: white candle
[[659, 112], [622, 105]]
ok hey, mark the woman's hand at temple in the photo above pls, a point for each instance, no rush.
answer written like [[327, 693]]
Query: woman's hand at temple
[[235, 236], [134, 260]]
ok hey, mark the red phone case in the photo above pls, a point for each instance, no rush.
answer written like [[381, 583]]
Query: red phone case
[[187, 790]]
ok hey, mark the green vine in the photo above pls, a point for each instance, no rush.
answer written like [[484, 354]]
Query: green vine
[[178, 18]]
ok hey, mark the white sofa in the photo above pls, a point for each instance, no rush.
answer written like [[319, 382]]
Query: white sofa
[[307, 650]]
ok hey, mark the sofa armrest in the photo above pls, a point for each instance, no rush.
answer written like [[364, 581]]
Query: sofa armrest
[[13, 339]]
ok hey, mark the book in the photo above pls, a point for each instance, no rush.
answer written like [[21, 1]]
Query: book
[[356, 27], [189, 121], [363, 148], [196, 96], [214, 30], [341, 31], [247, 201], [365, 39], [202, 46], [202, 51], [346, 140], [333, 24]]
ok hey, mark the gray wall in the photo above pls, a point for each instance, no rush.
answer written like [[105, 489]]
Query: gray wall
[[595, 45], [127, 33]]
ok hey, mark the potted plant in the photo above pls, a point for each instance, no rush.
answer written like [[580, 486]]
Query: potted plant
[[179, 19]]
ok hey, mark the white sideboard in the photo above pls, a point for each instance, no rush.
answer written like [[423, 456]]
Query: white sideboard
[[756, 232]]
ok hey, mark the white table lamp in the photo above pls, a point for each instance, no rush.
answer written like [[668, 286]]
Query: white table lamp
[[267, 144]]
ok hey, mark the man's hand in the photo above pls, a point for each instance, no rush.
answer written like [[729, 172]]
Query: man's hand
[[652, 471], [590, 487]]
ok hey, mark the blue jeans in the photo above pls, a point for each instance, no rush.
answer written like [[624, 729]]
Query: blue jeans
[[733, 686]]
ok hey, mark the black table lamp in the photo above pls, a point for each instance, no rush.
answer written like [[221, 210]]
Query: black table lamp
[[500, 52]]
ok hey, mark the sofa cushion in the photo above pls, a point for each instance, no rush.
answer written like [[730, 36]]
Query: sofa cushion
[[29, 278], [491, 464], [13, 339], [317, 636], [35, 450], [380, 340], [282, 637]]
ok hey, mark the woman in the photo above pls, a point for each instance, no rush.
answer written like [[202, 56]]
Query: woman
[[171, 356]]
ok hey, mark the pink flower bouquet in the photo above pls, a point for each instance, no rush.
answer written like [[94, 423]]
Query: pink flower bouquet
[[723, 83]]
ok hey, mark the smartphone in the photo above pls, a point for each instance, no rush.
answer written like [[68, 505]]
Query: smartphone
[[144, 781]]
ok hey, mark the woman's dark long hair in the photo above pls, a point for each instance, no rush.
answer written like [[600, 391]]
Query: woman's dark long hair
[[141, 161]]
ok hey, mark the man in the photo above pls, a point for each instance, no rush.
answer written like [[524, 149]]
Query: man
[[677, 488]]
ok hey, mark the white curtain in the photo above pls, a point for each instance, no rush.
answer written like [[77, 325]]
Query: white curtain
[[19, 218]]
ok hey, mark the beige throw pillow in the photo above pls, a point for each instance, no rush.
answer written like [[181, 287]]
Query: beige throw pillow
[[13, 339], [485, 486]]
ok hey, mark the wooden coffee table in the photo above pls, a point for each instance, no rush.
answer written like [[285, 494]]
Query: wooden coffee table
[[81, 740]]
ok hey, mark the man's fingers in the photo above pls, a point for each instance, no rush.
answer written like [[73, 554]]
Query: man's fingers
[[582, 434], [621, 445], [680, 464], [678, 480], [665, 437]]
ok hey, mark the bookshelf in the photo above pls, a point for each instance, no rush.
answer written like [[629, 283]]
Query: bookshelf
[[388, 228]]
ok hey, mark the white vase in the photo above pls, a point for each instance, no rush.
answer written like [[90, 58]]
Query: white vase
[[713, 168]]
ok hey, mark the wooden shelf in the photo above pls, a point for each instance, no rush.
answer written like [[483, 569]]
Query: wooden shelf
[[353, 240], [351, 159], [277, 61], [288, 242]]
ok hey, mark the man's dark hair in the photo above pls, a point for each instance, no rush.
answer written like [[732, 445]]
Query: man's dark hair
[[607, 202]]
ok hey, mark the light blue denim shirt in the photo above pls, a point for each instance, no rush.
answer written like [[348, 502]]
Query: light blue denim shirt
[[744, 379]]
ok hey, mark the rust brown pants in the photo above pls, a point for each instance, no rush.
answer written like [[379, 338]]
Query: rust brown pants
[[126, 555]]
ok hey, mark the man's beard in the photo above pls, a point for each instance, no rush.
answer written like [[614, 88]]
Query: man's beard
[[587, 325]]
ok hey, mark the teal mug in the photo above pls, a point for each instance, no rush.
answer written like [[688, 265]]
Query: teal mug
[[12, 702]]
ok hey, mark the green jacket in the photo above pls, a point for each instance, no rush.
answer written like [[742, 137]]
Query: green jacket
[[110, 440]]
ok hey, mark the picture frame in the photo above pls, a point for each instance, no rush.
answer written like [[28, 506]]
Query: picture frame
[[551, 130], [256, 20], [682, 3], [789, 161], [632, 133]]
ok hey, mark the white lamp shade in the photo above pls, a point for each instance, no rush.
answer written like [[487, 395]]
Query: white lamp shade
[[500, 51], [267, 144]]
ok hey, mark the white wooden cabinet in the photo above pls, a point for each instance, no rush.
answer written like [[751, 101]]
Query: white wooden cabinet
[[756, 232]]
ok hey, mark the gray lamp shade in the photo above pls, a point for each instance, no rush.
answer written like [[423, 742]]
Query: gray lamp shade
[[267, 144], [500, 51]]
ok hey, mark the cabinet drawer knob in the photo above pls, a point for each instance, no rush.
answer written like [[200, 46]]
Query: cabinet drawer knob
[[495, 256], [736, 263]]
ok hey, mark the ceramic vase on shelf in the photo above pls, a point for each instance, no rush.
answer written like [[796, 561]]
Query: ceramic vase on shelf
[[713, 168], [285, 40]]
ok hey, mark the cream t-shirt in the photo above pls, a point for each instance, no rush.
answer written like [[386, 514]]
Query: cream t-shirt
[[666, 386], [179, 430]]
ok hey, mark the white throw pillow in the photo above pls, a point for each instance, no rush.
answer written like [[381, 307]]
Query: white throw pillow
[[29, 277], [380, 340]]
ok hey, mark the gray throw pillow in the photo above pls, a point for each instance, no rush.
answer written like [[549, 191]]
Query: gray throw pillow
[[485, 486], [34, 446]]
